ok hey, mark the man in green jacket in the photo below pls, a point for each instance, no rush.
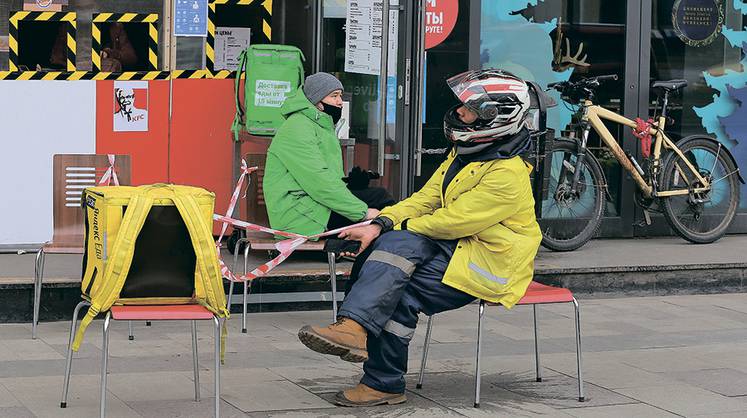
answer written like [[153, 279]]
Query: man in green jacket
[[303, 182]]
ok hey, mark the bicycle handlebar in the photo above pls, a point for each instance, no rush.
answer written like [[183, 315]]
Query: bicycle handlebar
[[611, 77], [580, 89]]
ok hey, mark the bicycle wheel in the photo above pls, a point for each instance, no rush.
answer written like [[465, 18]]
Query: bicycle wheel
[[702, 217], [568, 221]]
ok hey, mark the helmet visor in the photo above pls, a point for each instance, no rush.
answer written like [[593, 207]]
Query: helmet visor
[[476, 92], [466, 89]]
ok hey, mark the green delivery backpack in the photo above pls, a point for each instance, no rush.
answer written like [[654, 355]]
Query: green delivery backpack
[[271, 73]]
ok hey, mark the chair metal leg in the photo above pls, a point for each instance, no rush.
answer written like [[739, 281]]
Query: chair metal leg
[[425, 352], [235, 267], [576, 309], [69, 358], [537, 366], [244, 304], [195, 361], [477, 361], [130, 333], [217, 366], [38, 277], [104, 361], [246, 287], [230, 294], [333, 280]]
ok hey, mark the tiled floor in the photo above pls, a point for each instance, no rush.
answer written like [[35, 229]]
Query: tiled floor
[[643, 357]]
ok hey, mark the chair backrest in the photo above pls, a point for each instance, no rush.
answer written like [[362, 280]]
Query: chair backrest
[[256, 208], [71, 174]]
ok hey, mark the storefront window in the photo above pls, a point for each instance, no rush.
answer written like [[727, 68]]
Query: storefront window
[[84, 9], [703, 43], [558, 40]]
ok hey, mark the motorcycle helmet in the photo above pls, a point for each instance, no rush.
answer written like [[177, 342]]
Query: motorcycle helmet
[[500, 99]]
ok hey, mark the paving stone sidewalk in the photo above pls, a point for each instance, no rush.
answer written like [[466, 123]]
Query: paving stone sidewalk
[[643, 357]]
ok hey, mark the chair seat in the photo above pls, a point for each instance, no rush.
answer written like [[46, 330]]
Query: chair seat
[[160, 312], [539, 293]]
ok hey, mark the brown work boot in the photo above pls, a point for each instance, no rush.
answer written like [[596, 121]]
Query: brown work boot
[[363, 395], [345, 338]]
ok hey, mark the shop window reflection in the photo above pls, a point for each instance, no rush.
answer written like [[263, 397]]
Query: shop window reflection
[[558, 40]]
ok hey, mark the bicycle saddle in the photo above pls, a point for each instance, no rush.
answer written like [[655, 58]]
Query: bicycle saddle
[[670, 85]]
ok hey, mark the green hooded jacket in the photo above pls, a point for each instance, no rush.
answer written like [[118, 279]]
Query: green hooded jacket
[[303, 173]]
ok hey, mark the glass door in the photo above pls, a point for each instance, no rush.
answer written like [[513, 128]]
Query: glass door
[[351, 37]]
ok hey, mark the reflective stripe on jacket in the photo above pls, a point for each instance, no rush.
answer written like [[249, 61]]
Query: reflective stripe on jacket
[[489, 207]]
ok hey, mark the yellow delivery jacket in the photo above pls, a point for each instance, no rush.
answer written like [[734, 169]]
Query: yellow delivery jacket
[[489, 207]]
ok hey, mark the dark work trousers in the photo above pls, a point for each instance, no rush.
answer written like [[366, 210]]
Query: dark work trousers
[[395, 279], [374, 197]]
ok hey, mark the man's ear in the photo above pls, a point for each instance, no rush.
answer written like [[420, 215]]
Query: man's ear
[[320, 106]]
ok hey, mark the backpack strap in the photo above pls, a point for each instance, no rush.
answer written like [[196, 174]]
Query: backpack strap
[[239, 117], [118, 265], [209, 285], [209, 280]]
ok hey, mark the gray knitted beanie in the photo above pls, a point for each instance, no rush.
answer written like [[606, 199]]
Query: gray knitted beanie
[[318, 86]]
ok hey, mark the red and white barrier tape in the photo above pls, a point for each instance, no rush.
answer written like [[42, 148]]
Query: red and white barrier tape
[[245, 171], [285, 247], [111, 174]]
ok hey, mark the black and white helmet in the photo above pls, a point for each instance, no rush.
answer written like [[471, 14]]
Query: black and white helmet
[[500, 99]]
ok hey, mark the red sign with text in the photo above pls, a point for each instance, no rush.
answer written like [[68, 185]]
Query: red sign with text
[[440, 19]]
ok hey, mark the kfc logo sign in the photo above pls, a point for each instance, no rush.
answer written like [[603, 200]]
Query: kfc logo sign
[[440, 18]]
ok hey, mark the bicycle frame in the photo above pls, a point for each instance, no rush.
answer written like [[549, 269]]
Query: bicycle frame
[[594, 115]]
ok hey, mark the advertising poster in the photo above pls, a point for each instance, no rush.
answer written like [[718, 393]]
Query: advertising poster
[[440, 19], [130, 106]]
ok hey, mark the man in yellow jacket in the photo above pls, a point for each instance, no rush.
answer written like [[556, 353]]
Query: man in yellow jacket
[[469, 233]]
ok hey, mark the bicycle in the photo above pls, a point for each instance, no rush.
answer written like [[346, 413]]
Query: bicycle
[[693, 182]]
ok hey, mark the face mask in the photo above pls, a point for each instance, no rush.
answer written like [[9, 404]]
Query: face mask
[[334, 111]]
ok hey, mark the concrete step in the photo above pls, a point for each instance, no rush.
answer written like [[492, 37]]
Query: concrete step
[[603, 268]]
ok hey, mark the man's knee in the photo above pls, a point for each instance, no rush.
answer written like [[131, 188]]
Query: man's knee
[[405, 247]]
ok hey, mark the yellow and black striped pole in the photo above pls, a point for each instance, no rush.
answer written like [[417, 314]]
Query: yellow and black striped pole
[[98, 24], [261, 9], [14, 35]]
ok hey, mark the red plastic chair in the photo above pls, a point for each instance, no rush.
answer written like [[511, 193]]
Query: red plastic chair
[[536, 294], [149, 313]]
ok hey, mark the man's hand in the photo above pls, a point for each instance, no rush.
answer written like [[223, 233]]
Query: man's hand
[[364, 234], [372, 213]]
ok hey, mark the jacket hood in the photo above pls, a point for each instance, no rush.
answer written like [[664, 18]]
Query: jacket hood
[[298, 103]]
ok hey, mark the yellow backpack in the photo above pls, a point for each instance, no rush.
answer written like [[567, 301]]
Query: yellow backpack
[[149, 245]]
